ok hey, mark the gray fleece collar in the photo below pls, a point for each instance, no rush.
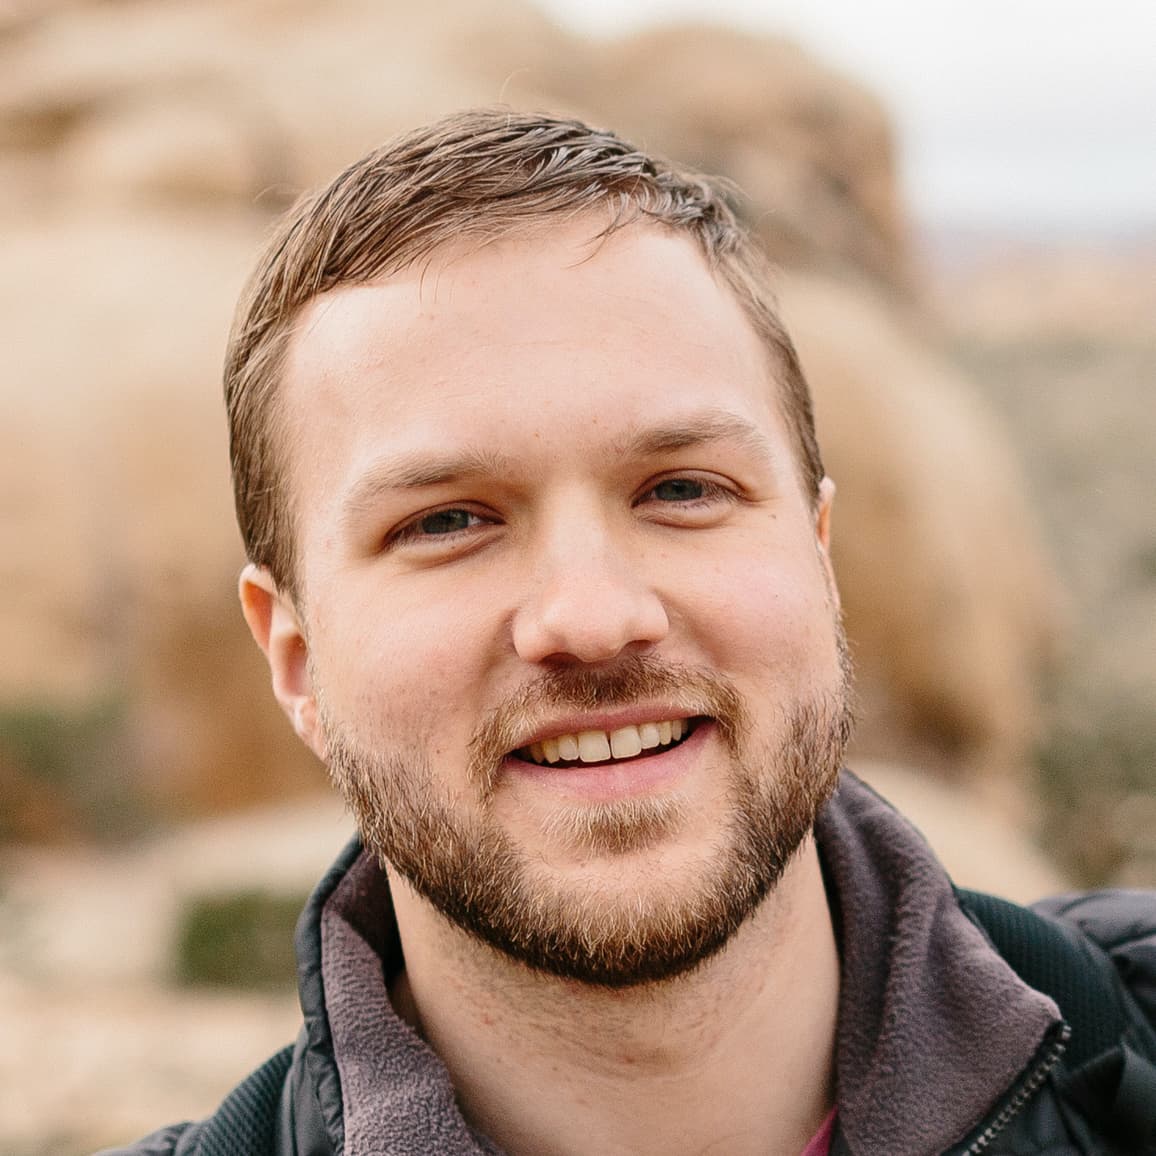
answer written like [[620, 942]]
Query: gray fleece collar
[[396, 1094], [933, 1026]]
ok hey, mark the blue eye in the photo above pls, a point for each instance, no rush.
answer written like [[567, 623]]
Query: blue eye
[[436, 527], [445, 522], [680, 490]]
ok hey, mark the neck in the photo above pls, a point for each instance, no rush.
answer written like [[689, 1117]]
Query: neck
[[739, 1053]]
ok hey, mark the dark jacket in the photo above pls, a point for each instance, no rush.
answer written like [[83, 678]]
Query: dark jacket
[[941, 1047]]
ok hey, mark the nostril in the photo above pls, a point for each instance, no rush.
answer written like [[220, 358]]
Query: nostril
[[588, 628]]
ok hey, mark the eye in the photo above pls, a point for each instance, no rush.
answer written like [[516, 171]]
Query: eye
[[445, 522], [680, 490], [688, 501], [437, 526], [687, 490]]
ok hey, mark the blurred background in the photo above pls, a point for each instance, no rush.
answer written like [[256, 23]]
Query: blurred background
[[962, 200]]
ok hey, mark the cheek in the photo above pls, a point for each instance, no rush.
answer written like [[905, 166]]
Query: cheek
[[401, 673], [754, 614]]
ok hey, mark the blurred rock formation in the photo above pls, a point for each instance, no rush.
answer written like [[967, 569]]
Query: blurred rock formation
[[144, 147]]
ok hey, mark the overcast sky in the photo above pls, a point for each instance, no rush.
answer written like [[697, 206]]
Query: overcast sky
[[1028, 114]]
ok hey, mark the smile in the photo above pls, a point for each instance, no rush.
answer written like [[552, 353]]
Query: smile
[[603, 746]]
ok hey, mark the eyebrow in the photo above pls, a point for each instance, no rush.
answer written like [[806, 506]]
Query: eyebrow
[[422, 470], [699, 429]]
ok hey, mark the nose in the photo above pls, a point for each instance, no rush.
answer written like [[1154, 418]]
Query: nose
[[588, 601]]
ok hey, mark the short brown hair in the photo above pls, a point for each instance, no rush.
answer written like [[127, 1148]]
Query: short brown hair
[[472, 176]]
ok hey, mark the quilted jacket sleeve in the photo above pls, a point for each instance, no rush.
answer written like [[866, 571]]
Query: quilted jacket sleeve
[[1123, 923], [175, 1140], [244, 1125]]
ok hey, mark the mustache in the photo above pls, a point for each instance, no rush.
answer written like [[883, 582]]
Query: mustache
[[632, 678]]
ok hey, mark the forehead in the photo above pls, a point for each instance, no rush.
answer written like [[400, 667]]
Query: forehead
[[554, 329]]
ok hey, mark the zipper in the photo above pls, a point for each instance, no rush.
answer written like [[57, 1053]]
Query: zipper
[[1031, 1084]]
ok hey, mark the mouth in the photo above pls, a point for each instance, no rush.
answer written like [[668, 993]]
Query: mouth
[[582, 748]]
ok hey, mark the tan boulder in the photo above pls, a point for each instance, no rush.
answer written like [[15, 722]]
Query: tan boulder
[[949, 601], [811, 149], [118, 553], [251, 101], [147, 145]]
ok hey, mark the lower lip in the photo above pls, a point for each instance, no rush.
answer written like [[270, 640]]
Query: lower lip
[[603, 782]]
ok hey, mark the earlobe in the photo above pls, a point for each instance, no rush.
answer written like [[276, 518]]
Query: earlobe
[[276, 628]]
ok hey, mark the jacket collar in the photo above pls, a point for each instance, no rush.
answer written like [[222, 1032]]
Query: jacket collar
[[933, 1026]]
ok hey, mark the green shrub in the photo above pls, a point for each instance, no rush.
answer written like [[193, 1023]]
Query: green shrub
[[239, 940], [69, 772], [1091, 768]]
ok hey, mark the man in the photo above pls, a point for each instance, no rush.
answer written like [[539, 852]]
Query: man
[[539, 536]]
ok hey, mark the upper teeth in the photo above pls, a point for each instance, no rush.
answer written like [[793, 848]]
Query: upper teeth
[[598, 746]]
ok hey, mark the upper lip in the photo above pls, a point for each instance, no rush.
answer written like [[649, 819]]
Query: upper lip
[[608, 720]]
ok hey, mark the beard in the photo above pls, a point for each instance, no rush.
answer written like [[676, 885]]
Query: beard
[[479, 878]]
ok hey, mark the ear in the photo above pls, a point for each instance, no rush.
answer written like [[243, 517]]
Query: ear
[[823, 533], [274, 624]]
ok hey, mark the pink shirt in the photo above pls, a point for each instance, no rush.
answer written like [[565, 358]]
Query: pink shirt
[[820, 1143]]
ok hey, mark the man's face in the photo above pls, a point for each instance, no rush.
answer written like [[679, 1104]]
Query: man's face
[[549, 522]]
